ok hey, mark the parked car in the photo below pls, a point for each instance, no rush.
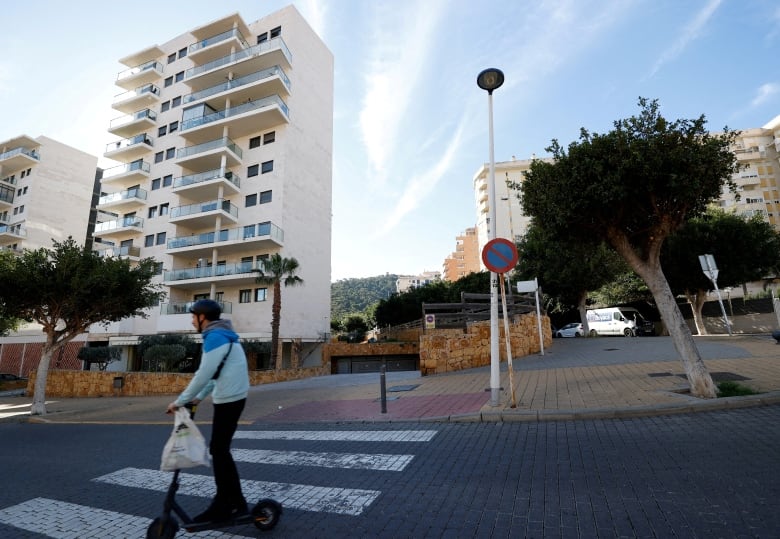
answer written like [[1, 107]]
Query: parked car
[[570, 330]]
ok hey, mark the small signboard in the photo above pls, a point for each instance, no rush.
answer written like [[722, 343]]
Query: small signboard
[[430, 321], [499, 255]]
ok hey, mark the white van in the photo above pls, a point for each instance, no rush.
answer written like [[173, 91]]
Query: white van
[[625, 321]]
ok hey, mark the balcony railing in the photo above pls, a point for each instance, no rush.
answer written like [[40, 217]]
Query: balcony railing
[[128, 250], [143, 138], [141, 90], [117, 224], [136, 193], [154, 64], [16, 151], [16, 230], [237, 83], [261, 48], [202, 44], [7, 194], [223, 142], [240, 268], [184, 308], [235, 111], [201, 177], [129, 118], [260, 230], [139, 165], [204, 207]]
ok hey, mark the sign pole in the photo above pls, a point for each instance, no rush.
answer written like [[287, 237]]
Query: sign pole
[[508, 343], [711, 271]]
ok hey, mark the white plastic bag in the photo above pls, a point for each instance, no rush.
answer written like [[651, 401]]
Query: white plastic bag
[[186, 448]]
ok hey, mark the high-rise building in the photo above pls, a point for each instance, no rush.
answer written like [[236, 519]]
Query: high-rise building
[[466, 257], [225, 144], [46, 190]]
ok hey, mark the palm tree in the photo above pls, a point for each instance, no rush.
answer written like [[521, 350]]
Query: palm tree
[[276, 270]]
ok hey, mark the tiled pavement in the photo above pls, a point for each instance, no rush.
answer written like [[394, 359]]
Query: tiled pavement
[[575, 378]]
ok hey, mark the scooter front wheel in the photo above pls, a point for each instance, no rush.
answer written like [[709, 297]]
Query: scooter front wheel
[[162, 528], [266, 514]]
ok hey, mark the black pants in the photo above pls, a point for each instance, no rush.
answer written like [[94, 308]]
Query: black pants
[[226, 477]]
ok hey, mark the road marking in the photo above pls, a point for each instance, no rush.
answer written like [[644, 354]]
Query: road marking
[[343, 501], [340, 435], [63, 520], [352, 461]]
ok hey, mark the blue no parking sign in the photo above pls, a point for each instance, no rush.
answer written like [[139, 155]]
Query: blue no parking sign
[[499, 255]]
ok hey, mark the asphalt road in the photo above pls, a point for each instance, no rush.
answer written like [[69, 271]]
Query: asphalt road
[[687, 476]]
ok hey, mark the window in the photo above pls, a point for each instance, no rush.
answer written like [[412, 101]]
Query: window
[[161, 238], [245, 296], [249, 231], [265, 197], [163, 209], [21, 208], [23, 173], [158, 269], [268, 138], [261, 294], [171, 58], [19, 192], [276, 32], [155, 184], [246, 263], [158, 157], [254, 142], [170, 153], [176, 102], [168, 81], [268, 166], [183, 52], [180, 76], [251, 200], [152, 212], [174, 126], [262, 38], [162, 131], [29, 170], [252, 171], [165, 106], [167, 180], [149, 240]]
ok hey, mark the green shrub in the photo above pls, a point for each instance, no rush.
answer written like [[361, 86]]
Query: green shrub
[[733, 389], [164, 358]]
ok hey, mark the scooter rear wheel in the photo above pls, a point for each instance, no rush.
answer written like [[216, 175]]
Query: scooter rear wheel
[[266, 514], [162, 528]]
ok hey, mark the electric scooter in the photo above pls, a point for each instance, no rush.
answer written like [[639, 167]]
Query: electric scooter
[[264, 515]]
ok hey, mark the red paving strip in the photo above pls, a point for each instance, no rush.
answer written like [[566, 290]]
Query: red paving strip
[[405, 407]]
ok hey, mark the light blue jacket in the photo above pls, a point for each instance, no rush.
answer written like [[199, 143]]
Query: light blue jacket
[[233, 381]]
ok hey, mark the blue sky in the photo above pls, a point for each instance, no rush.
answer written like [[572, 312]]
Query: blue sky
[[410, 123]]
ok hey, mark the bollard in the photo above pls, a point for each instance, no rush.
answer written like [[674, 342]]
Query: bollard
[[383, 388]]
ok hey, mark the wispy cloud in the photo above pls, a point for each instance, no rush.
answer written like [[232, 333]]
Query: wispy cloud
[[394, 71], [764, 94], [690, 33]]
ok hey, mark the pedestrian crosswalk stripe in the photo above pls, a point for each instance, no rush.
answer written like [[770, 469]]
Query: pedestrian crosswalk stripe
[[63, 520], [353, 461], [343, 501], [340, 435]]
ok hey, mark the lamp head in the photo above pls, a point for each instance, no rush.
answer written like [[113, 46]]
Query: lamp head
[[489, 79]]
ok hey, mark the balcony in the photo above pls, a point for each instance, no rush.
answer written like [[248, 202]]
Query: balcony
[[6, 196], [129, 149], [206, 185], [131, 124], [12, 232], [208, 155], [202, 214], [142, 97], [18, 158], [184, 308], [131, 172], [240, 63], [124, 201], [119, 226], [243, 120], [266, 82], [139, 75], [241, 272], [748, 154], [131, 252], [216, 46], [263, 236]]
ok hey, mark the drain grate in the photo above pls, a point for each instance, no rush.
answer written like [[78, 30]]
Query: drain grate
[[611, 349], [403, 388], [659, 374], [723, 377]]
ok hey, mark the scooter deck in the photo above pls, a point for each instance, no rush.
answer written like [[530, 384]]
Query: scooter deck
[[240, 520]]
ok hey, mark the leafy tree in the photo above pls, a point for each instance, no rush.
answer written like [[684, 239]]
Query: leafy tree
[[473, 283], [744, 249], [8, 323], [407, 306], [275, 271], [626, 287], [101, 355], [164, 357], [183, 363], [633, 187], [359, 295], [68, 288]]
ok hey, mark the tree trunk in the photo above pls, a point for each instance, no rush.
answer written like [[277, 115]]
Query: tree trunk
[[276, 310], [582, 307], [698, 376], [697, 302], [39, 395]]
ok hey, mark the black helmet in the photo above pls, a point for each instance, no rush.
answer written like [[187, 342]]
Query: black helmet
[[208, 307]]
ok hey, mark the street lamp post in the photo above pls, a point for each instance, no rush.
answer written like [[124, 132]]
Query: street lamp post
[[490, 79]]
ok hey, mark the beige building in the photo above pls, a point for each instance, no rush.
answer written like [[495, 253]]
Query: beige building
[[405, 282], [46, 191], [225, 139], [466, 257]]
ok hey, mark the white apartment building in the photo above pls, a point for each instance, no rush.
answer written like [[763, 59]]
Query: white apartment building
[[46, 190], [405, 282], [225, 140]]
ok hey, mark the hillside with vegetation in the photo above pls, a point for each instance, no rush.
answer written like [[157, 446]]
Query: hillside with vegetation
[[358, 296]]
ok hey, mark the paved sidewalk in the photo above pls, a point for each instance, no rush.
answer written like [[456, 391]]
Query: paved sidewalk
[[575, 378]]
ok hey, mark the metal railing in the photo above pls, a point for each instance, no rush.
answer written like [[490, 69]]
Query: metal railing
[[129, 118], [139, 165], [136, 193], [117, 224], [192, 179], [143, 138], [257, 50], [235, 111], [184, 308], [141, 90], [203, 43], [153, 64], [250, 232], [220, 270], [237, 83], [223, 142], [204, 207], [16, 151]]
